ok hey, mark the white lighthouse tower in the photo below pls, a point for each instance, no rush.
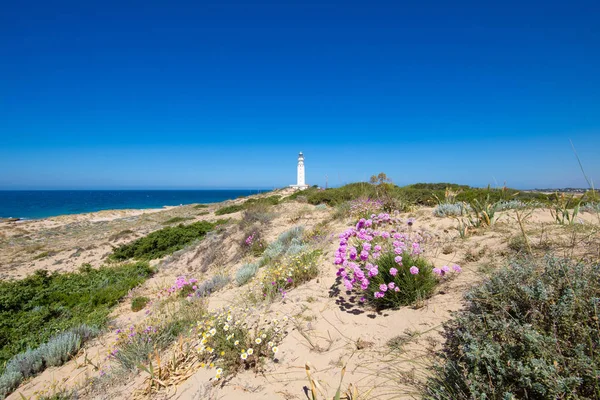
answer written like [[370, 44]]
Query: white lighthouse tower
[[301, 184]]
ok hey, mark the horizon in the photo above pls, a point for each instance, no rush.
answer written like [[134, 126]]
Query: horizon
[[149, 96]]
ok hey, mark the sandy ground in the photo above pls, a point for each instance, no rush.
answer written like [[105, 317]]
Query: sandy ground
[[329, 329]]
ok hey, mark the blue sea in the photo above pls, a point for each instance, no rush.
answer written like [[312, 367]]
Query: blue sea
[[33, 204]]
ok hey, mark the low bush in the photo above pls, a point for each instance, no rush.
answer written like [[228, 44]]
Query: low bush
[[451, 210], [53, 353], [245, 273], [592, 208], [229, 209], [138, 303], [254, 244], [230, 341], [170, 319], [211, 285], [530, 332], [289, 242], [199, 206], [288, 273], [34, 309], [381, 260], [164, 241], [364, 207]]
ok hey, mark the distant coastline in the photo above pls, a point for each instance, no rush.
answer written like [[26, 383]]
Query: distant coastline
[[36, 204]]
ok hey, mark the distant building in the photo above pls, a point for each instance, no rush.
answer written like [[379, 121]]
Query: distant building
[[300, 185]]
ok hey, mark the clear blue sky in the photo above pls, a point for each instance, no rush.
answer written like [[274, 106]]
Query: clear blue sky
[[148, 94]]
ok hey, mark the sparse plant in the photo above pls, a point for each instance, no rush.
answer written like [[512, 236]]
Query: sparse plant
[[138, 303], [451, 210], [245, 273], [212, 285], [230, 341], [291, 271], [229, 209], [564, 209]]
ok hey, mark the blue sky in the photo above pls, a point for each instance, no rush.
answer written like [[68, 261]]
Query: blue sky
[[224, 94]]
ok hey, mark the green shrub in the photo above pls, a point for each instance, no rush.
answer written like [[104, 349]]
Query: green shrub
[[529, 332], [413, 288], [199, 206], [34, 309], [164, 241], [245, 273], [138, 303], [229, 209]]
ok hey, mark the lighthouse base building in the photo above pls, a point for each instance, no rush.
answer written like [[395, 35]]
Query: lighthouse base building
[[301, 184]]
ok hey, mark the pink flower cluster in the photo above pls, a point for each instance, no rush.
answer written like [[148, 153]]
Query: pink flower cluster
[[361, 246], [250, 239], [181, 284]]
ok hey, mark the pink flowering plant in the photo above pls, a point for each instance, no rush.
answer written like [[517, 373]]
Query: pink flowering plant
[[183, 287], [254, 244], [381, 259]]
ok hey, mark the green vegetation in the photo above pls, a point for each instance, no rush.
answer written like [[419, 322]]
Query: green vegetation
[[164, 241], [250, 203], [138, 303], [413, 289], [35, 308], [199, 206], [427, 194], [229, 209], [176, 220], [55, 352], [530, 332]]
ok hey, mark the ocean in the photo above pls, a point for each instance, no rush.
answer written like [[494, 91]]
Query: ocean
[[33, 204]]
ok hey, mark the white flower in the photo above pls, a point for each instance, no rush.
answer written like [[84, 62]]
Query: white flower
[[264, 336], [212, 332], [258, 341], [250, 351], [244, 356], [270, 344], [275, 349], [236, 342]]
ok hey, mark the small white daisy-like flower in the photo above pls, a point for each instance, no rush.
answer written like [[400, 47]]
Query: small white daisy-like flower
[[229, 318], [219, 371], [236, 342], [212, 332], [285, 318], [250, 351], [275, 349], [244, 356], [258, 341], [270, 344], [264, 336]]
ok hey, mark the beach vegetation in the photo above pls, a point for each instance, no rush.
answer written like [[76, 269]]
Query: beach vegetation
[[289, 272], [164, 241], [229, 209], [245, 273], [176, 220], [230, 340], [381, 260], [530, 331], [139, 303]]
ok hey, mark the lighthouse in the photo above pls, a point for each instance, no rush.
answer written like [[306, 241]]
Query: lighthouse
[[300, 184]]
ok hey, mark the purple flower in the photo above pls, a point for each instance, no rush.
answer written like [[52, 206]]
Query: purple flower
[[414, 270], [446, 268], [383, 287], [398, 259], [391, 285], [377, 248], [366, 246], [393, 271], [396, 289], [379, 295], [437, 271], [457, 268], [364, 255]]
